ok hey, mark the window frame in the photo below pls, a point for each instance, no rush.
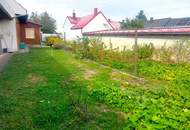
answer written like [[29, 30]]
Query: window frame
[[30, 33]]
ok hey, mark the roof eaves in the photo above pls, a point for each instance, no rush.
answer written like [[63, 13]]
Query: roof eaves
[[5, 11], [69, 19], [32, 22]]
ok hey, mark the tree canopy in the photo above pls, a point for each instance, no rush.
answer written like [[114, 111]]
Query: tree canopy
[[137, 22], [141, 16], [48, 23]]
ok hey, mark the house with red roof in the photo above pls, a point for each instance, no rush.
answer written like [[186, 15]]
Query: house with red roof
[[75, 26]]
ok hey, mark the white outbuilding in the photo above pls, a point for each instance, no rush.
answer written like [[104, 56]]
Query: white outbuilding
[[10, 11]]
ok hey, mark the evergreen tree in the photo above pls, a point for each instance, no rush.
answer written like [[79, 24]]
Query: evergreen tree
[[48, 23]]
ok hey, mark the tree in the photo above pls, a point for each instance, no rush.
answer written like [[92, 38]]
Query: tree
[[136, 23], [132, 24], [48, 23], [35, 17], [141, 16]]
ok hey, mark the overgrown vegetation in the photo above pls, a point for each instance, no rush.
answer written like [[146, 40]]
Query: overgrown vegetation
[[145, 51], [96, 50], [166, 104], [58, 90]]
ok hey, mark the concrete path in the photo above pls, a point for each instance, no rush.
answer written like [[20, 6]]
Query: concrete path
[[4, 58]]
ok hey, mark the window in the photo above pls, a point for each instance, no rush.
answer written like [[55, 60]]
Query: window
[[30, 33]]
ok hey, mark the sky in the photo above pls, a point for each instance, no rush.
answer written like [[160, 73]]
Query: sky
[[113, 9]]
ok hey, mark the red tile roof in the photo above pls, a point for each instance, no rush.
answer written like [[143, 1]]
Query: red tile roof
[[73, 20], [116, 25], [158, 31], [81, 22], [84, 21]]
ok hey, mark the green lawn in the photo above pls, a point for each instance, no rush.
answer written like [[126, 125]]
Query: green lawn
[[51, 90]]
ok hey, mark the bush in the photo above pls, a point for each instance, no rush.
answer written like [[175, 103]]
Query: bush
[[179, 53], [145, 51], [58, 46], [51, 40], [90, 48], [182, 51], [165, 54]]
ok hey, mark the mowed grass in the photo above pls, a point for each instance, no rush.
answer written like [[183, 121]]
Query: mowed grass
[[51, 90], [46, 89]]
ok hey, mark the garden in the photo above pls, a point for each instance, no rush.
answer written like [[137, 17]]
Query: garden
[[87, 86]]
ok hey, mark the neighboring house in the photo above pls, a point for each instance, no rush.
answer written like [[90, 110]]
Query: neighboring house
[[15, 27], [75, 26], [168, 23]]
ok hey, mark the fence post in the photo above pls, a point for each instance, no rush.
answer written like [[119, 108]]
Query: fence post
[[136, 51]]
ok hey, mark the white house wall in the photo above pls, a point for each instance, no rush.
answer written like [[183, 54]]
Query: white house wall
[[97, 24], [71, 34], [9, 35], [128, 42]]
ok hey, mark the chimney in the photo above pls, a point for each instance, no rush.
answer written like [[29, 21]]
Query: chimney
[[74, 14], [95, 11]]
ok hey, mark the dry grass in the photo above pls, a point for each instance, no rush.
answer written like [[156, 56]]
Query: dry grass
[[35, 79]]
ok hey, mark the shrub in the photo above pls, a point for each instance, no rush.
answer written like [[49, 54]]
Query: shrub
[[51, 40], [90, 48], [58, 46], [166, 54], [97, 50], [145, 51], [182, 51]]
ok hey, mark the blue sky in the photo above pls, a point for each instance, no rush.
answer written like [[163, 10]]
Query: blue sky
[[114, 9]]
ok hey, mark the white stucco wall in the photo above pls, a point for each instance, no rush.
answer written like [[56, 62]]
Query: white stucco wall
[[97, 24], [9, 34], [71, 34], [128, 42]]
